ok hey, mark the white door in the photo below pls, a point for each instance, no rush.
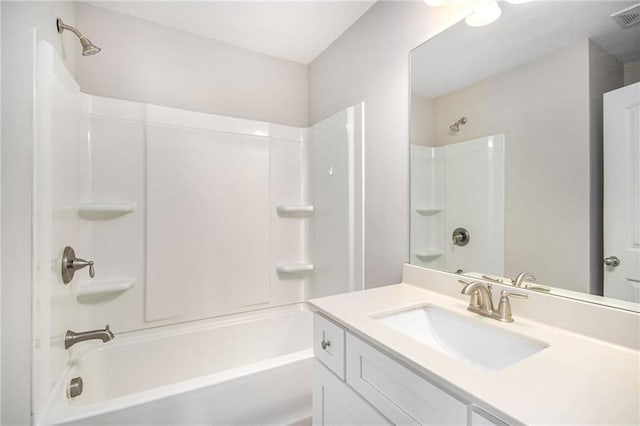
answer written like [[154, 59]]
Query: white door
[[622, 193]]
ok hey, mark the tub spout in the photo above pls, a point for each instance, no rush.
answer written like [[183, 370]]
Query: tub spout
[[71, 337]]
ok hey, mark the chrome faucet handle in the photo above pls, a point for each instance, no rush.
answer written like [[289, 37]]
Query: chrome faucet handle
[[503, 313], [81, 263], [71, 263], [536, 287]]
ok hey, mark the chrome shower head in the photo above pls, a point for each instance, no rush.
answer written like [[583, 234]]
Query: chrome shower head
[[88, 48], [455, 127]]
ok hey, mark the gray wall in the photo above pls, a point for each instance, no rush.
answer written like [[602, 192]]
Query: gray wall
[[151, 63], [370, 63], [18, 19]]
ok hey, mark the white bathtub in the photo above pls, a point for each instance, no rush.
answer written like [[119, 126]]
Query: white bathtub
[[252, 368]]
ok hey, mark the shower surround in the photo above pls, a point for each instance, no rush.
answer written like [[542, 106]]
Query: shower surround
[[189, 218]]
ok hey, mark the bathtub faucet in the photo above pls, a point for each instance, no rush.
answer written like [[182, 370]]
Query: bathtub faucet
[[71, 337]]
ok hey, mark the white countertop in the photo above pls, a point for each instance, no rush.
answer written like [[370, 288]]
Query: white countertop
[[576, 380]]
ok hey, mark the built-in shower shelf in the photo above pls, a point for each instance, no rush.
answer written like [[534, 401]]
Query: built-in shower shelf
[[429, 210], [291, 268], [294, 210], [426, 255], [106, 286], [101, 211]]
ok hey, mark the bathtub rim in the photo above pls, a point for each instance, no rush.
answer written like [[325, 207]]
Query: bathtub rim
[[58, 409]]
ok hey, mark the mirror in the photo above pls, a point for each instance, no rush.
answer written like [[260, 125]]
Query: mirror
[[525, 150]]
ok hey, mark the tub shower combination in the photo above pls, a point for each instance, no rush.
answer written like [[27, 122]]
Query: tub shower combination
[[197, 238]]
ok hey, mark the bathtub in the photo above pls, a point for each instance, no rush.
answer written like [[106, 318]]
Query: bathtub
[[252, 368]]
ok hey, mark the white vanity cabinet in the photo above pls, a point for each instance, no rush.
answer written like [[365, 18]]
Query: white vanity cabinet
[[351, 377], [335, 403]]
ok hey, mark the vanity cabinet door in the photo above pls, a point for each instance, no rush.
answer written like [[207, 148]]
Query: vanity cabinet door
[[399, 394], [479, 417], [328, 344], [334, 403]]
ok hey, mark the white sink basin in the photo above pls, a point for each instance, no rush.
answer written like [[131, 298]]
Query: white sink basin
[[462, 338]]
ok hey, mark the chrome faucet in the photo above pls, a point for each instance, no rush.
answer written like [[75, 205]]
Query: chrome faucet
[[71, 337], [522, 277], [481, 301], [481, 298]]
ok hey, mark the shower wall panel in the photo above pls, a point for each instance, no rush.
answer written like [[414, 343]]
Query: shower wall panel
[[207, 222], [336, 169], [58, 164], [203, 238], [474, 200]]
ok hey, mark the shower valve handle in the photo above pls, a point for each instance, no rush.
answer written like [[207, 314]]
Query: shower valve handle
[[71, 263]]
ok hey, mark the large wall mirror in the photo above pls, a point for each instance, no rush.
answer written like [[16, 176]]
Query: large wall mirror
[[525, 150]]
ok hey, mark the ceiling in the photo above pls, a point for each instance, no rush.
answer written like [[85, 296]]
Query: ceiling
[[294, 30], [522, 33]]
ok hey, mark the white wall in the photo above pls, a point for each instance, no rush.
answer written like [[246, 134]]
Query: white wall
[[17, 81], [422, 114], [370, 63], [631, 73], [145, 62]]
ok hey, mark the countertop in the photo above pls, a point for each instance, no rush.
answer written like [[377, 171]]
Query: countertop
[[575, 380]]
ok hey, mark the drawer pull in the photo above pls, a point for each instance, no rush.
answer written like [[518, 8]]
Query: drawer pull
[[325, 344]]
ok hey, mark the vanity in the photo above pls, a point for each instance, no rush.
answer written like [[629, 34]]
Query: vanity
[[394, 355]]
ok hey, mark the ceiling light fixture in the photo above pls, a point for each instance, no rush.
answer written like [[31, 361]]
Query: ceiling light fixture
[[484, 15]]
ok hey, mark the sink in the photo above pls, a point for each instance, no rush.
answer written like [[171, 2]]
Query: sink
[[462, 338]]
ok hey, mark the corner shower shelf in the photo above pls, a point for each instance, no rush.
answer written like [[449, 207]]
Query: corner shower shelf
[[107, 286], [294, 210], [98, 211], [290, 268], [426, 255], [429, 210]]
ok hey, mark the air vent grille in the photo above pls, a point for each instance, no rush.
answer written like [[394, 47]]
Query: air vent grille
[[628, 17]]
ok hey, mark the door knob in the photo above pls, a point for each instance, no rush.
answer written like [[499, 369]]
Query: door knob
[[612, 261]]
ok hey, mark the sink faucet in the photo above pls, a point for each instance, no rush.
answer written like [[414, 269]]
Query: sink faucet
[[481, 298], [71, 337], [481, 301], [522, 277]]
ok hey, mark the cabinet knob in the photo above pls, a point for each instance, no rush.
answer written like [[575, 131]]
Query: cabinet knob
[[325, 344]]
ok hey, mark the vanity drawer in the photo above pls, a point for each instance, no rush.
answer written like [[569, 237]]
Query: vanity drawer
[[328, 344], [399, 394]]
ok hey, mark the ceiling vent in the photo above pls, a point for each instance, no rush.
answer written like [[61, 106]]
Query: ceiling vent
[[628, 17]]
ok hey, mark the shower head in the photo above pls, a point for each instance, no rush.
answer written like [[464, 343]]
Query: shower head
[[88, 48], [455, 127]]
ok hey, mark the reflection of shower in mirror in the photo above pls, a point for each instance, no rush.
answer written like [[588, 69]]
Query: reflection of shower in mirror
[[455, 127]]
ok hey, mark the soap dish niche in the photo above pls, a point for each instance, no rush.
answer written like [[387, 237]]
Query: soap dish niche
[[294, 210], [294, 268]]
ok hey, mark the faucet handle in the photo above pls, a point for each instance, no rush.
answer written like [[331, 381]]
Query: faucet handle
[[505, 293], [71, 263], [504, 308]]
